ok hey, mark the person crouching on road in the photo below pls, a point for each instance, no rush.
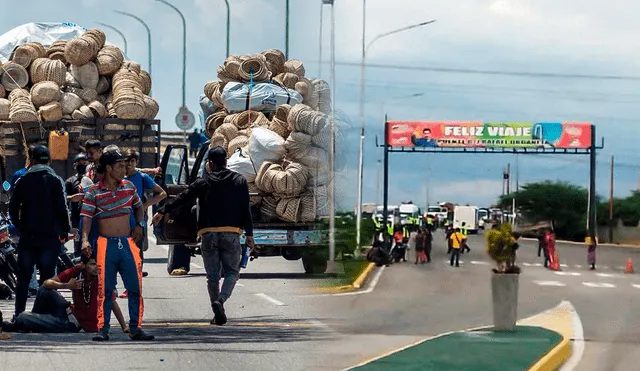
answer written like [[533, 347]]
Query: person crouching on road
[[456, 244], [51, 313], [111, 202], [223, 197]]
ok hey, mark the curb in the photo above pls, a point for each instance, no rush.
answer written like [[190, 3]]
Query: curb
[[560, 320], [357, 283]]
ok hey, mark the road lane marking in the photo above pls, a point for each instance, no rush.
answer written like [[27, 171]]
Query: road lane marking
[[550, 283], [372, 286], [479, 262], [564, 266], [599, 285], [577, 343], [568, 274], [233, 324], [526, 264], [605, 267], [605, 275], [636, 286], [537, 264], [270, 299], [578, 266]]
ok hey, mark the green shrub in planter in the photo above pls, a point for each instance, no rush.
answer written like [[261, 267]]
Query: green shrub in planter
[[502, 244]]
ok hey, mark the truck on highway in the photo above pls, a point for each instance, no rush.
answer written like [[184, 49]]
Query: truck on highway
[[439, 212], [408, 213], [178, 230], [468, 215]]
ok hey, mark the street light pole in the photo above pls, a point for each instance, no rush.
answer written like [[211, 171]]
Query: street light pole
[[184, 58], [228, 26], [362, 94], [124, 39], [320, 42], [286, 30], [148, 38]]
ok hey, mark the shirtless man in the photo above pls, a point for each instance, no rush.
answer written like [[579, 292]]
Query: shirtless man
[[111, 202]]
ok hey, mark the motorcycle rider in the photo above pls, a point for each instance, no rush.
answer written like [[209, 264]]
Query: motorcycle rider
[[38, 209]]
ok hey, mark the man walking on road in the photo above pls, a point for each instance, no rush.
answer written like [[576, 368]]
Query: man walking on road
[[223, 197], [456, 244], [465, 233], [38, 209], [111, 202]]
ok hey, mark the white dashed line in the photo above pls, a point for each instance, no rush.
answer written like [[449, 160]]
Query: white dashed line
[[636, 286], [605, 267], [578, 266], [605, 275], [599, 285], [537, 264], [564, 266], [270, 299], [479, 262], [526, 264], [550, 283], [568, 273]]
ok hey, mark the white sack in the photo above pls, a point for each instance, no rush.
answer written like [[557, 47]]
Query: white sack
[[264, 97], [241, 163], [265, 145]]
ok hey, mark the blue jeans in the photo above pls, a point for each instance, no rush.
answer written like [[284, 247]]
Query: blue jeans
[[44, 257], [221, 249], [49, 315]]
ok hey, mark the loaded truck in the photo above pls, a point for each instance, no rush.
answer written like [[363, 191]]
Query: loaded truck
[[468, 215], [178, 230]]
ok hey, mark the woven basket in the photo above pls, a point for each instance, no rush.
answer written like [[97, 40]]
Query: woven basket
[[289, 181], [56, 71], [323, 138], [145, 78], [322, 200], [254, 200], [18, 94], [294, 66], [229, 131], [87, 95], [97, 36], [247, 119], [70, 102], [103, 85], [45, 92], [288, 209], [87, 75], [4, 109], [275, 61], [306, 120], [98, 109], [151, 107], [218, 140], [3, 93], [297, 145], [288, 80], [316, 158], [308, 207], [79, 51], [128, 103], [268, 208], [215, 121], [109, 60], [235, 143], [27, 53], [280, 127], [254, 69], [224, 76], [14, 76], [213, 91], [324, 95], [57, 50], [22, 110]]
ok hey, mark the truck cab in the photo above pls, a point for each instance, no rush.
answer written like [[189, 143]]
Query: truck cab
[[292, 241], [410, 215]]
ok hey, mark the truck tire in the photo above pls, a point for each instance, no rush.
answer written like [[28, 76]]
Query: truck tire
[[291, 254], [179, 257], [314, 262]]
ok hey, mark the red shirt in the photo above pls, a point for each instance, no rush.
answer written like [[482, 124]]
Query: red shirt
[[86, 314]]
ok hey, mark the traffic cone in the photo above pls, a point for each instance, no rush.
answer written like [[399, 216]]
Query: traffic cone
[[629, 268], [555, 264]]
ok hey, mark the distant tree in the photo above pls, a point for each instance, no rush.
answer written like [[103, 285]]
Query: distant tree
[[625, 209], [563, 203]]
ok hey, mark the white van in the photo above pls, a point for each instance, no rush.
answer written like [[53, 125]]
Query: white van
[[468, 215]]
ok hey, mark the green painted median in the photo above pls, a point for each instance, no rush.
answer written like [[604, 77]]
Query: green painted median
[[480, 350]]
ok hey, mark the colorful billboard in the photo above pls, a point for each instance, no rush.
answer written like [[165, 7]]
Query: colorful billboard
[[466, 134]]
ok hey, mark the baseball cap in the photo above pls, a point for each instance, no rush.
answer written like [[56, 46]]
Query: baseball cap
[[40, 153], [110, 156], [218, 156], [80, 156]]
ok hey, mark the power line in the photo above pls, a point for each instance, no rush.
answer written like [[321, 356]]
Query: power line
[[492, 72]]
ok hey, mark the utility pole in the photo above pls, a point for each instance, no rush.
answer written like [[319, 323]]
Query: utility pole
[[507, 178], [611, 201]]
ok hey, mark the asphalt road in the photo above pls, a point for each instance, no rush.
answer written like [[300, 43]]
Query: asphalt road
[[269, 327], [411, 302]]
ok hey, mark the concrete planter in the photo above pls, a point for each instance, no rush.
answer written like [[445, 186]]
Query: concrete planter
[[504, 288]]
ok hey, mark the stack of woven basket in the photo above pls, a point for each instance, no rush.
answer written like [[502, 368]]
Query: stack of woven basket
[[292, 188], [75, 79]]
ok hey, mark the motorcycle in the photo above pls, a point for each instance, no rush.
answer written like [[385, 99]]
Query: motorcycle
[[8, 254]]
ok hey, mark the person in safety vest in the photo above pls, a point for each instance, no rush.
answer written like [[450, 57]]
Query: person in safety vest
[[430, 223], [465, 232]]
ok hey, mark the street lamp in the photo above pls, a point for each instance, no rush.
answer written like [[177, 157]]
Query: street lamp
[[184, 61], [148, 37], [124, 39], [365, 49], [286, 29], [331, 268], [228, 26]]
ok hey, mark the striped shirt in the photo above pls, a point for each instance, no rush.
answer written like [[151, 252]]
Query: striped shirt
[[102, 203]]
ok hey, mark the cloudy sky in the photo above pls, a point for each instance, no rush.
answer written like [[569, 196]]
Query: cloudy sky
[[524, 41]]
